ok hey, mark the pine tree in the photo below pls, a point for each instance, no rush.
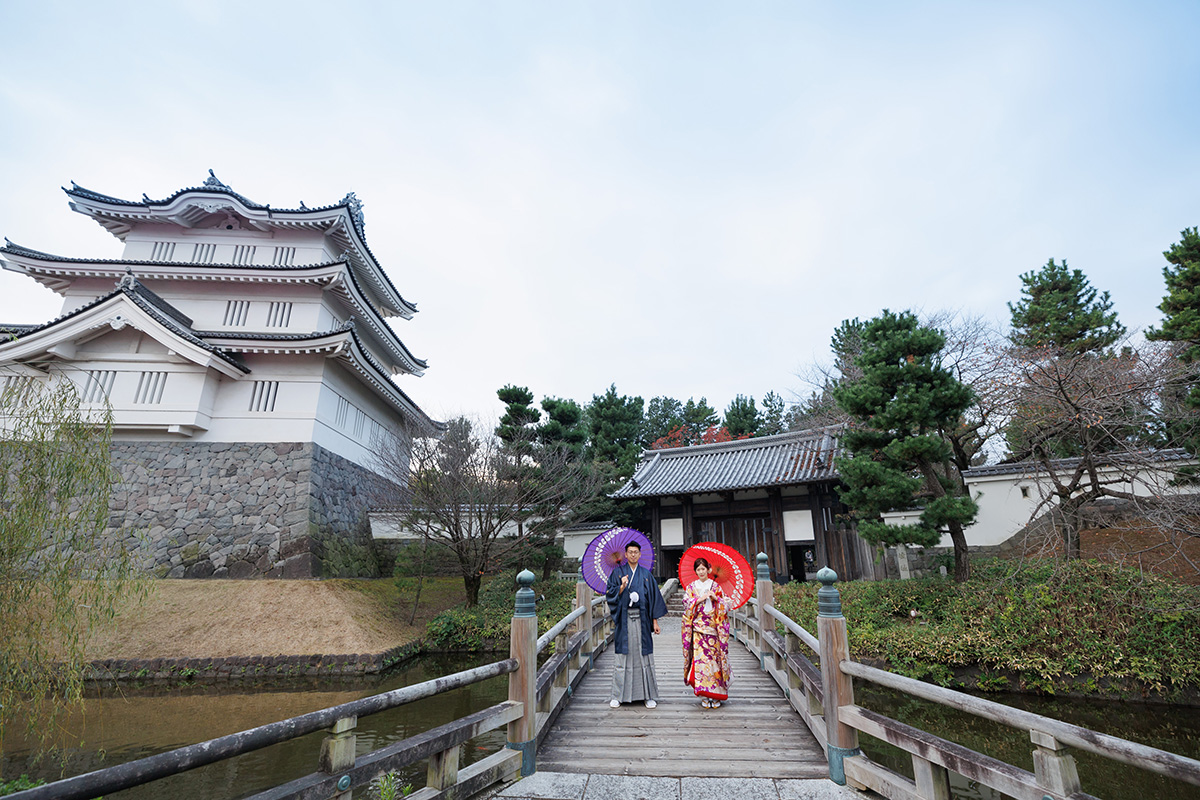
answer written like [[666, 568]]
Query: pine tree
[[1181, 325], [516, 426], [699, 417], [899, 459], [1059, 309], [563, 428], [771, 418], [615, 424], [1181, 305], [741, 417], [662, 415]]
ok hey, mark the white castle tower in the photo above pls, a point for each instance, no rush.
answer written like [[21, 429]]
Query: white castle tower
[[246, 356]]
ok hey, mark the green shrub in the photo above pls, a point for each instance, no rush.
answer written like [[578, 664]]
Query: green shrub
[[1047, 622], [19, 785], [488, 625]]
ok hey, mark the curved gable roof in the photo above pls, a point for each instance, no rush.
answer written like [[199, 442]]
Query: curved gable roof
[[785, 459]]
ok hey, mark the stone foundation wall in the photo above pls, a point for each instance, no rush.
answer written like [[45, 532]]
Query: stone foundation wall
[[243, 510], [340, 529]]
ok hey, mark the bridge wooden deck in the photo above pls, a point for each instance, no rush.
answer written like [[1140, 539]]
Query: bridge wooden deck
[[754, 734]]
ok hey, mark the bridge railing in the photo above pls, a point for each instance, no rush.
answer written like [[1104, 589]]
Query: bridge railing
[[535, 698], [824, 697]]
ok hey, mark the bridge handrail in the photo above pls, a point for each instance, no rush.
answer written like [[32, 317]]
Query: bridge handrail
[[560, 626], [1116, 748], [825, 700], [795, 628], [144, 770]]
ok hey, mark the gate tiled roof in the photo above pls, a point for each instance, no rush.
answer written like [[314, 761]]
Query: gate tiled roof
[[785, 459]]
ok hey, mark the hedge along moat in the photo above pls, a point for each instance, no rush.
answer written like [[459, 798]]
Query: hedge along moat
[[1081, 628]]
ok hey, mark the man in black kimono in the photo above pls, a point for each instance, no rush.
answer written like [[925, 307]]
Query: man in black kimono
[[635, 603]]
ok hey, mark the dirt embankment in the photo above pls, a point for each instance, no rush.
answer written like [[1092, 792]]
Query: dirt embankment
[[228, 618]]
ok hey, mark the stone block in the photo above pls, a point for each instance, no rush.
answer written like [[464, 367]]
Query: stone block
[[301, 565], [240, 569], [201, 569]]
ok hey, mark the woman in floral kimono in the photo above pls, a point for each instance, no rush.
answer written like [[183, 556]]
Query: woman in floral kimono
[[706, 637]]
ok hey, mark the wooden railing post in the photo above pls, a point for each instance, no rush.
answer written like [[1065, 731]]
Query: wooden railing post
[[1053, 765], [766, 597], [842, 740], [522, 684], [933, 780], [583, 599], [337, 754]]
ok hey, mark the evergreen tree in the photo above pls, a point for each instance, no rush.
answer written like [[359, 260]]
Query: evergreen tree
[[563, 428], [771, 418], [1181, 305], [846, 344], [741, 417], [899, 459], [1181, 326], [516, 426], [662, 415], [699, 417], [1059, 309], [615, 424]]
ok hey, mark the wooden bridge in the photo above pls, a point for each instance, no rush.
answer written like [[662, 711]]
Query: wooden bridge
[[788, 718], [679, 738]]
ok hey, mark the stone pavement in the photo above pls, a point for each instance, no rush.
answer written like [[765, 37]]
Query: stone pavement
[[573, 786]]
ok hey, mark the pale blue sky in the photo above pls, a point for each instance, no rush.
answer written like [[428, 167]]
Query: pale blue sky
[[679, 198]]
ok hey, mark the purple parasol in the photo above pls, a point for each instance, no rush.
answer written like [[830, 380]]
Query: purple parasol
[[607, 550]]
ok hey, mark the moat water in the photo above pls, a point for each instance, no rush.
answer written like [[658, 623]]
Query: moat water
[[123, 723]]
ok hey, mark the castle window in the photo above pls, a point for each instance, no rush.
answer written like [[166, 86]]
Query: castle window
[[262, 396], [163, 251], [236, 312], [244, 254], [360, 422], [343, 411], [284, 256], [98, 385], [1024, 491], [203, 253], [150, 388], [279, 315], [16, 389]]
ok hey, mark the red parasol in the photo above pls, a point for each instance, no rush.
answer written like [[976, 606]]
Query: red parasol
[[603, 553], [729, 569]]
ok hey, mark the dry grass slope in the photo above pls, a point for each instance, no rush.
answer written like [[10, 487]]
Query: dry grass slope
[[225, 618]]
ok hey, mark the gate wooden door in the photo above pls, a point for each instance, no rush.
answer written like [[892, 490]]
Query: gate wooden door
[[747, 535]]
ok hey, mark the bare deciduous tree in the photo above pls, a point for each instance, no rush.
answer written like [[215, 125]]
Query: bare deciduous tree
[[1098, 427], [462, 491]]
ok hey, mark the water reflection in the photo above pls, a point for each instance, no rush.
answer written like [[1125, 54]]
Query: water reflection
[[120, 724], [1172, 728]]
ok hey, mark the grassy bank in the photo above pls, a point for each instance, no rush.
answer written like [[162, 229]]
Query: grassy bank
[[1085, 627]]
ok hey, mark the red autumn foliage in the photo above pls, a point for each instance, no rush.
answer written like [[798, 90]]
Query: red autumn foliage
[[683, 436]]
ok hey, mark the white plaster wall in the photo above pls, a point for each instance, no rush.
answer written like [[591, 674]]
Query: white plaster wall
[[380, 419], [798, 526], [386, 526], [1003, 508], [671, 531], [575, 542], [140, 244]]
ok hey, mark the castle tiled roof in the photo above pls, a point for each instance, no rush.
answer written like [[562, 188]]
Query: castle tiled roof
[[766, 461], [162, 311], [116, 220]]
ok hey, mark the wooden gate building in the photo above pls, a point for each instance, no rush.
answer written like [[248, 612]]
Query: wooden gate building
[[771, 494]]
